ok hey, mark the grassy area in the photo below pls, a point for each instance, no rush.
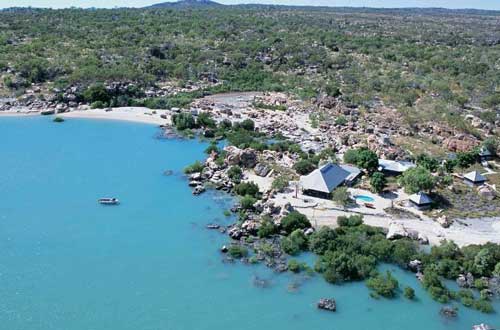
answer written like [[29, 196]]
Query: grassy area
[[465, 202], [420, 146]]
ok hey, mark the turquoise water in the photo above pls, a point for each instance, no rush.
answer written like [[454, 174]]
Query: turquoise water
[[149, 264], [364, 198]]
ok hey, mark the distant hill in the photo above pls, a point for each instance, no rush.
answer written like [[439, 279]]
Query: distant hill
[[186, 4]]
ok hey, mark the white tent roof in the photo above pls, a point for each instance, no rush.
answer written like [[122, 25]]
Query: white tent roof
[[475, 176], [324, 179], [420, 198]]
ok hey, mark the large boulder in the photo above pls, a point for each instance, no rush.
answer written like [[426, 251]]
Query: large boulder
[[250, 226], [233, 155], [444, 221], [487, 193], [415, 265], [327, 304], [262, 170], [396, 231]]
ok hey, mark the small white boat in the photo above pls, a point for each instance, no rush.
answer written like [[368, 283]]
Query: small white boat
[[109, 201]]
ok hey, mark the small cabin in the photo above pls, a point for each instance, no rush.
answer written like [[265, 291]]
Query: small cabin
[[420, 201], [474, 178]]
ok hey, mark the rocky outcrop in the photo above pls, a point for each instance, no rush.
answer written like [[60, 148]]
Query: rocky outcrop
[[262, 170], [465, 281], [461, 143], [448, 311], [327, 304], [246, 158]]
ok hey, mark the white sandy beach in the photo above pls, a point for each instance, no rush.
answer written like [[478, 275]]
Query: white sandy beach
[[134, 114]]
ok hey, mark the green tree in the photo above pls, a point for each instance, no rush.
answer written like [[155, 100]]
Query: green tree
[[184, 120], [341, 196], [97, 93], [362, 157], [378, 182], [491, 144], [428, 162], [293, 221], [417, 179], [409, 293], [247, 189], [384, 286], [304, 166], [280, 183], [295, 242], [322, 240], [247, 202], [235, 174]]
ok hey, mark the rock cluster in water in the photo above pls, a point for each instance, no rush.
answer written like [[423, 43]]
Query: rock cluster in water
[[327, 304]]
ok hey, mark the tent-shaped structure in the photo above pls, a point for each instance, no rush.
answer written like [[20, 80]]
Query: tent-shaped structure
[[474, 178], [420, 200]]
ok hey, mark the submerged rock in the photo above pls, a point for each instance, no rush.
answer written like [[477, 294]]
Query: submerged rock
[[327, 304], [415, 265], [448, 311], [482, 326]]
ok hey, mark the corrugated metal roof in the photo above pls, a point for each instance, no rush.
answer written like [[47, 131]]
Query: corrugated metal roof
[[324, 179], [475, 176], [420, 198]]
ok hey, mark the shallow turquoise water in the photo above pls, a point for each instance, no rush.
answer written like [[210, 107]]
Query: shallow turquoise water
[[364, 198], [68, 263]]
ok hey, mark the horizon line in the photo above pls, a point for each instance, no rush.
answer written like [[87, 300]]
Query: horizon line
[[254, 4]]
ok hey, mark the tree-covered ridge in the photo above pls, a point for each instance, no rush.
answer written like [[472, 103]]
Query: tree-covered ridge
[[404, 58]]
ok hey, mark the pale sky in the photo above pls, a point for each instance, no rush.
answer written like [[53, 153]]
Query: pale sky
[[477, 4]]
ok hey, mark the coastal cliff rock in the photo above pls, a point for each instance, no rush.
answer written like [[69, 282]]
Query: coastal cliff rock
[[327, 304]]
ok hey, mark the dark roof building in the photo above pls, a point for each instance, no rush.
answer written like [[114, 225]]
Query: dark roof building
[[322, 181]]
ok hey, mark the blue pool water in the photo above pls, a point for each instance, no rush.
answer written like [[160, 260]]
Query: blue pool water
[[149, 264], [364, 198]]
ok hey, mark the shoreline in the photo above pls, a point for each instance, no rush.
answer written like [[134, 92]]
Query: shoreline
[[130, 114], [464, 232]]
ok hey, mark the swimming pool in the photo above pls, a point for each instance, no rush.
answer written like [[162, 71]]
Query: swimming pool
[[364, 198]]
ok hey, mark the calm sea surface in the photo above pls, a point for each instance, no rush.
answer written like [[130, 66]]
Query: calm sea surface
[[149, 264]]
